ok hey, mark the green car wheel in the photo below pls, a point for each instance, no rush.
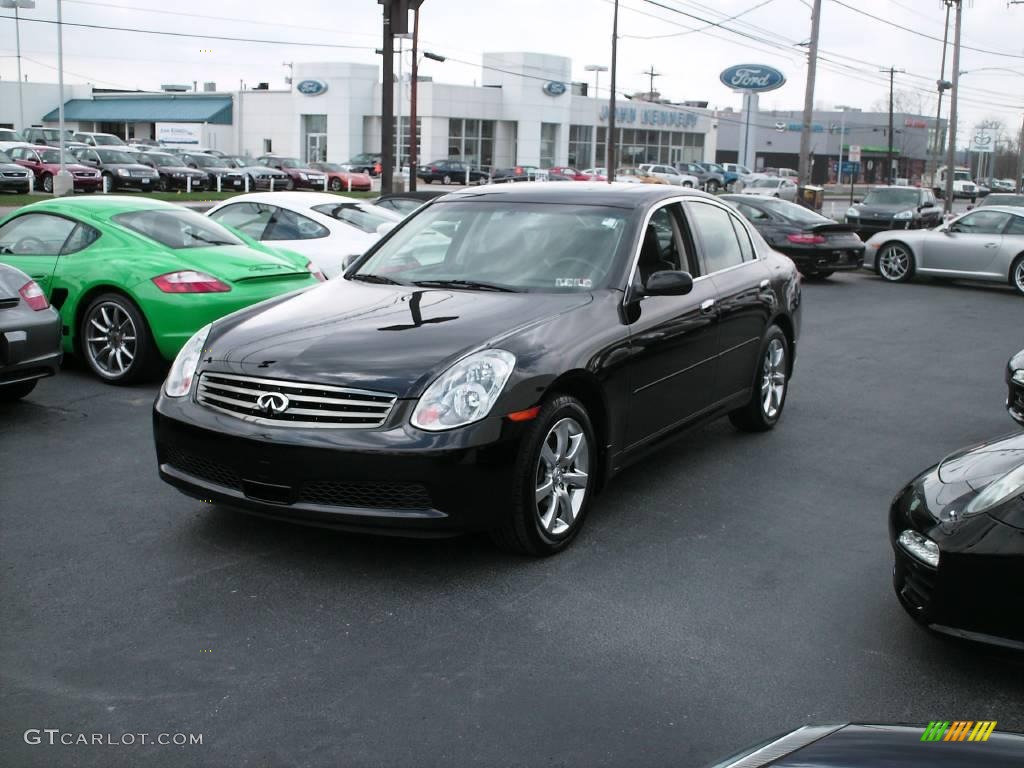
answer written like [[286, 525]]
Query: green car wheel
[[116, 341]]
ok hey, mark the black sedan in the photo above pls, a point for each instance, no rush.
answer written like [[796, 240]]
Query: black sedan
[[818, 245], [939, 744], [174, 174], [957, 531], [216, 168], [404, 203], [451, 172], [1015, 385], [488, 364], [30, 340], [886, 208], [119, 169]]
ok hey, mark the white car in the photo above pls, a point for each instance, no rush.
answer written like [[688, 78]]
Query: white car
[[324, 228], [746, 176], [671, 175], [10, 138], [772, 186]]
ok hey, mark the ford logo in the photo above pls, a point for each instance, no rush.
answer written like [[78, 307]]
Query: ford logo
[[752, 77], [554, 88], [311, 87]]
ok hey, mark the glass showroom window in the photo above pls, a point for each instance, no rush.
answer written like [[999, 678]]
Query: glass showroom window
[[580, 143], [637, 146], [548, 142], [404, 130], [471, 141]]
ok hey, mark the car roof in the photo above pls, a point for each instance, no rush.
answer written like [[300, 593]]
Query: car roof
[[99, 207], [619, 195], [1016, 210]]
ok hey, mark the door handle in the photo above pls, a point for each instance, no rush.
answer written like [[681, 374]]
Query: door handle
[[765, 284], [707, 306], [991, 245]]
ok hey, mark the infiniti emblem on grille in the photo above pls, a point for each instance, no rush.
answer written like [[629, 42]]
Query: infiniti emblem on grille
[[273, 403]]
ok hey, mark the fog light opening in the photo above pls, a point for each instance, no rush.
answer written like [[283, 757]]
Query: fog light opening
[[920, 547]]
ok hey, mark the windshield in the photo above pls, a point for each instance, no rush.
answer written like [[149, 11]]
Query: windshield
[[962, 175], [362, 216], [6, 134], [107, 140], [891, 197], [164, 161], [793, 211], [1003, 200], [204, 161], [177, 229], [5, 158], [53, 156], [114, 156], [291, 162], [766, 183], [512, 246], [53, 134], [329, 167], [363, 158]]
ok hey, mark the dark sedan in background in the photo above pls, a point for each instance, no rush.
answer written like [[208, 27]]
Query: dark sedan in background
[[119, 169], [970, 744], [451, 172], [487, 365], [30, 334], [885, 208], [818, 245], [1015, 385], [215, 168], [173, 172], [300, 175], [259, 176], [957, 531]]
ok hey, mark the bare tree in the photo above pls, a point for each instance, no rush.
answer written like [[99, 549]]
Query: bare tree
[[908, 101]]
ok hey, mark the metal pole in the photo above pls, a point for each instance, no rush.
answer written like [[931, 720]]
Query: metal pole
[[610, 142], [387, 117], [60, 91], [892, 80], [414, 86], [1020, 160], [593, 144], [936, 147], [842, 138], [398, 127], [953, 99], [17, 44], [812, 66]]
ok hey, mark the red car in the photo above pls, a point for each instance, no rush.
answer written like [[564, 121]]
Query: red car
[[339, 179], [44, 162], [572, 173], [300, 175]]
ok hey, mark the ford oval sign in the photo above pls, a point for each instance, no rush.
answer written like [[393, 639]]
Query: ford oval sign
[[554, 88], [311, 87], [752, 77]]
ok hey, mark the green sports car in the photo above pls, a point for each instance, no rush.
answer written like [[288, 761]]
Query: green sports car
[[133, 279]]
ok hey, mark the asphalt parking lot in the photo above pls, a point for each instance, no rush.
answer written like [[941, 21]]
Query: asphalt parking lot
[[730, 588]]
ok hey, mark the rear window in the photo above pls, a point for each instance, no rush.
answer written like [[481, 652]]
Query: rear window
[[177, 229], [362, 217]]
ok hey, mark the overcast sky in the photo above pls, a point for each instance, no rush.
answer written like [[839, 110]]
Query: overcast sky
[[855, 45]]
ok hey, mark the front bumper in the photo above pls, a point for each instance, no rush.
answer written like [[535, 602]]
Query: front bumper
[[841, 259], [14, 183], [395, 479], [868, 227], [317, 184], [30, 347], [966, 595], [141, 183]]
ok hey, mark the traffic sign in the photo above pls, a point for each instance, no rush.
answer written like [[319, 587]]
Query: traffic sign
[[854, 156]]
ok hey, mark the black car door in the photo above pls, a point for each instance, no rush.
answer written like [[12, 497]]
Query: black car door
[[745, 299], [673, 339]]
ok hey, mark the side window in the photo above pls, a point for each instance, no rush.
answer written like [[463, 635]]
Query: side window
[[288, 225], [746, 247], [713, 226], [663, 247], [81, 238], [982, 223], [35, 234], [250, 218], [1016, 226]]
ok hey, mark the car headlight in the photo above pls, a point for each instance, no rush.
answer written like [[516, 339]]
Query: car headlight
[[464, 393], [904, 215], [921, 547], [304, 176], [183, 370], [852, 212], [1018, 376], [123, 172], [997, 492]]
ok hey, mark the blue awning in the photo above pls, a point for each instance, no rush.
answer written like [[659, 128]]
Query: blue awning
[[148, 109]]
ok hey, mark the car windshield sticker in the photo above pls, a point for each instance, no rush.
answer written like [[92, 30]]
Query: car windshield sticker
[[573, 282]]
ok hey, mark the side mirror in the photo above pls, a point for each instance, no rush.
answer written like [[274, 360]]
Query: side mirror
[[349, 260], [856, 201], [387, 226], [668, 283], [926, 204]]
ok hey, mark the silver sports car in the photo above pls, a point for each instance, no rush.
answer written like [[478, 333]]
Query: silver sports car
[[983, 244]]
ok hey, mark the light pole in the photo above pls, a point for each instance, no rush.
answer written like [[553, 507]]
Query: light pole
[[597, 69], [63, 184], [16, 4]]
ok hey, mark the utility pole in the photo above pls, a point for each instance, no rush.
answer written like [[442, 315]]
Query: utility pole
[[892, 80], [954, 97], [610, 143], [1020, 160], [943, 85], [812, 66], [652, 74], [387, 102]]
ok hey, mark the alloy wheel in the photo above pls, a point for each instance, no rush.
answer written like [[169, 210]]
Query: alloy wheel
[[1018, 276], [562, 476], [894, 262], [447, 180], [111, 339], [773, 378], [48, 183]]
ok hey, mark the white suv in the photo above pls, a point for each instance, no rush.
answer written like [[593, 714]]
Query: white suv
[[670, 174], [99, 139]]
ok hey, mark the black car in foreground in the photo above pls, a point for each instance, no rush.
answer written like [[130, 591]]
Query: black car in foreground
[[957, 531], [119, 169], [970, 744], [30, 340], [818, 245], [1015, 385], [885, 208], [404, 203], [487, 365]]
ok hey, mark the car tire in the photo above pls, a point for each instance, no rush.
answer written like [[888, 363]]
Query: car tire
[[164, 184], [1017, 274], [11, 392], [336, 185], [822, 274], [974, 200], [47, 183], [446, 180], [290, 184], [115, 312], [770, 386], [558, 444], [895, 262], [712, 186]]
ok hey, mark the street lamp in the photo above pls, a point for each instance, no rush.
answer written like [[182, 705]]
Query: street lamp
[[63, 184], [16, 4], [597, 69]]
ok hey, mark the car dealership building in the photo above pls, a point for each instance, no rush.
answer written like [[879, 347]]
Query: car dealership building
[[526, 111]]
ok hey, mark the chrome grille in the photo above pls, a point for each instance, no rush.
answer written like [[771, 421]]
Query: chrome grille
[[308, 405], [16, 174]]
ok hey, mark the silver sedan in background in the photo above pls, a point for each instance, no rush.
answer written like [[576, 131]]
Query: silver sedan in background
[[983, 244]]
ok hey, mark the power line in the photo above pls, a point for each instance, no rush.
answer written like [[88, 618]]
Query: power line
[[701, 29]]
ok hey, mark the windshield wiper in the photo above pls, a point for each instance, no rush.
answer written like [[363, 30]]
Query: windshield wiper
[[380, 279], [209, 240], [474, 285]]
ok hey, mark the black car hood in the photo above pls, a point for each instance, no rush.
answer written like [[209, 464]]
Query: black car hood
[[378, 337], [126, 166]]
